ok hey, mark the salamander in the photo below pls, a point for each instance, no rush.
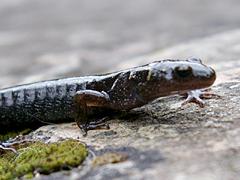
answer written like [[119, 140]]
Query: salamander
[[81, 98]]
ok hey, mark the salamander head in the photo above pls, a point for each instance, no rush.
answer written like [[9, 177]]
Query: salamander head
[[176, 76]]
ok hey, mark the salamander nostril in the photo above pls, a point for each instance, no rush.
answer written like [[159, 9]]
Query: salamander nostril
[[183, 71]]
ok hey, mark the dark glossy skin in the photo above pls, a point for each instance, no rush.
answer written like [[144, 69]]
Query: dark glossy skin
[[74, 98]]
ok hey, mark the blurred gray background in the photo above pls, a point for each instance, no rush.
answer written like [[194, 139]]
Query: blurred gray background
[[47, 39]]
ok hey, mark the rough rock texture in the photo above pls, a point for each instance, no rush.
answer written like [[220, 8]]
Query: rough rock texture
[[161, 139]]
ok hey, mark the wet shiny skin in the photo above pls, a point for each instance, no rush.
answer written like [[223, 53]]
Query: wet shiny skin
[[173, 77], [63, 100]]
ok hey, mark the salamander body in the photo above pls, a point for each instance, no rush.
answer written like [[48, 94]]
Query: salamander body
[[63, 100]]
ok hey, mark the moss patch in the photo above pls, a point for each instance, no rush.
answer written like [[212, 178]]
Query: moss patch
[[41, 158]]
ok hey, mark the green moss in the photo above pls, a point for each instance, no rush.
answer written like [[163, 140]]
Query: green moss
[[43, 158]]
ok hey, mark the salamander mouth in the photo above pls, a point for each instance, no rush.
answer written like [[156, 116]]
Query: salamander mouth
[[200, 83]]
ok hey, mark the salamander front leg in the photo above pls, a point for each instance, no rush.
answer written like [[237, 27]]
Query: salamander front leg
[[83, 101]]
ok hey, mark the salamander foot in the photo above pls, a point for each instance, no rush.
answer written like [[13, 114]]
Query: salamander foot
[[197, 97], [97, 125], [6, 148]]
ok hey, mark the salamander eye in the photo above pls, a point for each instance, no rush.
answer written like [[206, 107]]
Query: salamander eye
[[183, 71]]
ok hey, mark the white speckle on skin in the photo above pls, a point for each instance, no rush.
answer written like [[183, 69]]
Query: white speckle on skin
[[149, 75], [20, 96], [132, 75], [30, 94], [168, 75], [8, 98]]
